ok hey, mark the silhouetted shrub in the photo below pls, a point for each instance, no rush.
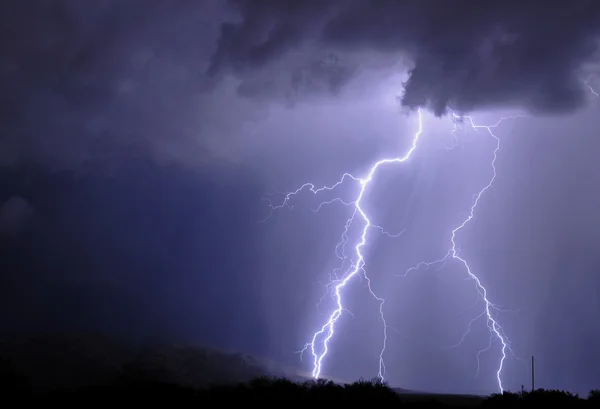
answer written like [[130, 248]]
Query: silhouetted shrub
[[257, 391], [286, 393], [281, 390], [502, 400], [537, 398]]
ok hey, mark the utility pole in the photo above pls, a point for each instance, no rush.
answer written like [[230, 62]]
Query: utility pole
[[532, 374]]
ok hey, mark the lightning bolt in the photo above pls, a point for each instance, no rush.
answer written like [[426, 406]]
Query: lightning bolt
[[590, 88], [319, 344], [453, 253], [327, 331]]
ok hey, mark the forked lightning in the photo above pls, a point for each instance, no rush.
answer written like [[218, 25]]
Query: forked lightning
[[319, 344]]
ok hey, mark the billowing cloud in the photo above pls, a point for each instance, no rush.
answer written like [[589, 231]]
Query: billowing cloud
[[181, 80], [81, 81], [465, 54]]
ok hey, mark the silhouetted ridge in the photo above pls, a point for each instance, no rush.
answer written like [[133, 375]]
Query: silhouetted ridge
[[285, 392], [86, 369], [59, 361]]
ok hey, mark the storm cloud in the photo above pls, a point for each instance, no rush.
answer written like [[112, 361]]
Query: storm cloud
[[466, 54], [81, 82]]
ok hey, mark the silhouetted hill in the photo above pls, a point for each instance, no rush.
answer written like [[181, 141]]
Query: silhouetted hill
[[54, 361], [81, 369], [285, 392]]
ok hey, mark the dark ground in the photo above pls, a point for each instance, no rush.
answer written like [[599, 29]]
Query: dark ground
[[84, 369]]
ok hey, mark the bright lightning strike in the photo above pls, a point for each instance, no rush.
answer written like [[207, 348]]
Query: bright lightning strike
[[327, 331], [453, 253], [590, 88], [320, 342]]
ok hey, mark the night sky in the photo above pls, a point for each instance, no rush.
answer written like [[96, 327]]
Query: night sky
[[142, 143]]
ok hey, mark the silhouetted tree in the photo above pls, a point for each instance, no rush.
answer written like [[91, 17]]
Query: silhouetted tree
[[537, 398]]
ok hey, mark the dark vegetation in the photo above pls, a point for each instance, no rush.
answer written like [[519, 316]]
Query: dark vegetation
[[59, 370]]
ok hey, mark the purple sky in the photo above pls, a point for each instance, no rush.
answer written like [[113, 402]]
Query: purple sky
[[139, 137]]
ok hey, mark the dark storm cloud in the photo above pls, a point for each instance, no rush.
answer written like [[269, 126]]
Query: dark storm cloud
[[268, 31], [465, 54], [78, 79], [315, 77], [81, 81]]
